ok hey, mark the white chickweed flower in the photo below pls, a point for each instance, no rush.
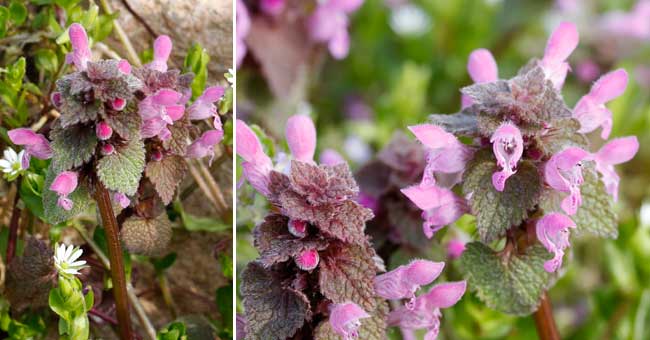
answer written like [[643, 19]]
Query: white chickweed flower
[[11, 164], [65, 259], [230, 76]]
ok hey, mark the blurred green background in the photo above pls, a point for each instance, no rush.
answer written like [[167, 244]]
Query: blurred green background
[[408, 60]]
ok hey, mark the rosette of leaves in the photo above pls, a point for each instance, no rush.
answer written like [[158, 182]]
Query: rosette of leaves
[[397, 220], [512, 279], [282, 298]]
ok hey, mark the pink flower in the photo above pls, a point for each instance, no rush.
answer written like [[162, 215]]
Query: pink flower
[[329, 24], [64, 184], [345, 319], [445, 153], [257, 165], [426, 311], [307, 260], [107, 149], [331, 157], [243, 28], [455, 248], [203, 107], [563, 172], [301, 138], [587, 71], [298, 228], [156, 155], [590, 109], [508, 147], [553, 232], [272, 7], [80, 54], [403, 281], [482, 68], [617, 151], [368, 201], [560, 45], [103, 131], [440, 205], [121, 199], [204, 145], [162, 48], [35, 144], [159, 110], [633, 24], [124, 66]]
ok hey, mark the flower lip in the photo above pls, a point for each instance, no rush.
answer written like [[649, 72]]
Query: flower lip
[[345, 319]]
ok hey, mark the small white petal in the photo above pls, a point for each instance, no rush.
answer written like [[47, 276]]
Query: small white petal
[[75, 255]]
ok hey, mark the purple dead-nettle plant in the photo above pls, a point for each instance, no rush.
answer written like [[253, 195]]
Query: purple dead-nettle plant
[[316, 276], [527, 173]]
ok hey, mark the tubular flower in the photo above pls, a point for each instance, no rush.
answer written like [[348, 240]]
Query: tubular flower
[[617, 151], [563, 172], [203, 107], [329, 24], [482, 68], [80, 54], [426, 311], [590, 109], [440, 206], [272, 7], [553, 232], [405, 280], [35, 144], [243, 28], [204, 145], [257, 165], [64, 184], [301, 138], [331, 157], [162, 48], [455, 248], [159, 110], [345, 319], [508, 147], [560, 45], [121, 199]]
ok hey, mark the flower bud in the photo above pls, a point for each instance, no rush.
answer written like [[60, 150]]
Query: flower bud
[[307, 260], [107, 149], [103, 131], [298, 228]]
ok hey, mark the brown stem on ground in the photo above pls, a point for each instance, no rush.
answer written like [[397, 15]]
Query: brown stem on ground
[[13, 227], [115, 257], [544, 321]]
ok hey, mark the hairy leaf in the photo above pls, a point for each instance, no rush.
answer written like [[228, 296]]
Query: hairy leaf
[[177, 144], [497, 211], [373, 328], [125, 123], [166, 175], [122, 170], [596, 215], [82, 201], [346, 274], [72, 146], [273, 311], [31, 276], [147, 236], [562, 135], [510, 283], [276, 244], [461, 123], [324, 184]]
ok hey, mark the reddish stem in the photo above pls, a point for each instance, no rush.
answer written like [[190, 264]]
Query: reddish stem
[[13, 227], [546, 327], [115, 256], [102, 316]]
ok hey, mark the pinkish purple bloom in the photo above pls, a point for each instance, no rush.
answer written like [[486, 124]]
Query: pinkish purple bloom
[[204, 145], [107, 149], [560, 45], [35, 144], [553, 232], [80, 54], [329, 24], [591, 110], [298, 228], [508, 147], [162, 48], [633, 24], [243, 28], [121, 199], [64, 184], [617, 151], [403, 281], [426, 311], [159, 110], [482, 68], [103, 131], [455, 248], [307, 260], [156, 155], [440, 206], [331, 157], [301, 137], [368, 201], [118, 104], [124, 66], [587, 71], [56, 99], [563, 172], [345, 319], [257, 165], [203, 107], [272, 7]]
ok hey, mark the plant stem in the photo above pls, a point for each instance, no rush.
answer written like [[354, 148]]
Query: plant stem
[[13, 227], [166, 293], [544, 321], [115, 256]]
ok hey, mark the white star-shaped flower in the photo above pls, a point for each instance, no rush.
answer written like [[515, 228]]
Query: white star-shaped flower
[[11, 165], [65, 259]]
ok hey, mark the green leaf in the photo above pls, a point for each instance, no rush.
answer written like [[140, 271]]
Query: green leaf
[[174, 331], [196, 62], [511, 283], [122, 170], [224, 304], [273, 311], [497, 211], [347, 274], [17, 12], [15, 74], [73, 146], [82, 201], [4, 17], [46, 61], [31, 189], [596, 215], [164, 263], [225, 105]]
